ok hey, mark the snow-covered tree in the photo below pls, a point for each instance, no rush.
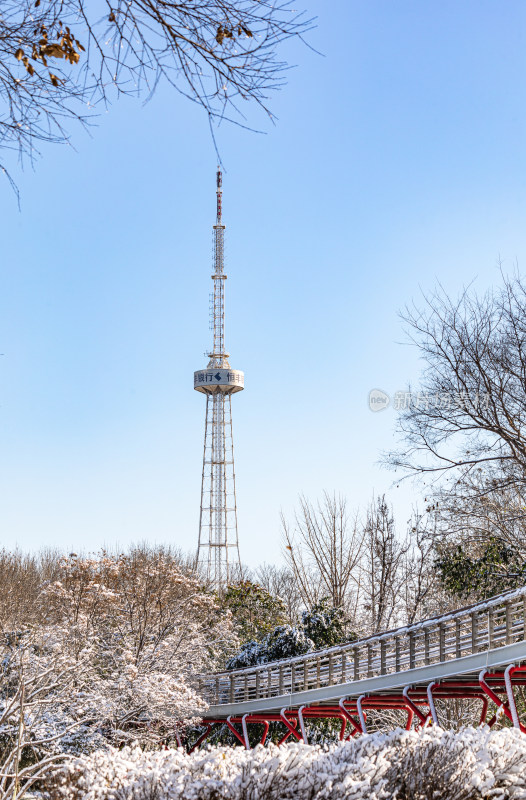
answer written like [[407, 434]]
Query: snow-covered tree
[[256, 611], [112, 658], [150, 628], [49, 704]]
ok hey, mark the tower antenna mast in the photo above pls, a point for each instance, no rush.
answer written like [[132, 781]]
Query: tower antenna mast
[[218, 546]]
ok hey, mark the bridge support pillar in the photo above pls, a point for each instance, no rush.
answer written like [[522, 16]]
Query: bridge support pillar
[[430, 700], [245, 731], [302, 724], [356, 726], [509, 691], [361, 715], [501, 706]]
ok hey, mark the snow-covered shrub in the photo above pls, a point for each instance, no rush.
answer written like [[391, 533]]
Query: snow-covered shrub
[[325, 625], [321, 626], [249, 655], [285, 641], [471, 764]]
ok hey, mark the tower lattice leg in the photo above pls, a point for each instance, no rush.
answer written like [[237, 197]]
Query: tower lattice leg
[[218, 552]]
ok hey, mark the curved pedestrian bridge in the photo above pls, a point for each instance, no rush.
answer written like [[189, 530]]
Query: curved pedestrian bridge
[[466, 645]]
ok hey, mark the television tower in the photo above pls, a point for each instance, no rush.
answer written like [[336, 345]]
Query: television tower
[[218, 548]]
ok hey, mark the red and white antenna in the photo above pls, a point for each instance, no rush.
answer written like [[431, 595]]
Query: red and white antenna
[[219, 195]]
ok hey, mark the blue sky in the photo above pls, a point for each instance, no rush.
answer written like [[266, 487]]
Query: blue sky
[[397, 161]]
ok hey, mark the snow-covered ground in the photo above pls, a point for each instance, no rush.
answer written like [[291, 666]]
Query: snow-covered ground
[[403, 765]]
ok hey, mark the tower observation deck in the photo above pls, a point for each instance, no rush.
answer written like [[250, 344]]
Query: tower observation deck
[[218, 547]]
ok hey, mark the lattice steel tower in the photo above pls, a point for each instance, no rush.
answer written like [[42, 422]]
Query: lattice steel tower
[[218, 549]]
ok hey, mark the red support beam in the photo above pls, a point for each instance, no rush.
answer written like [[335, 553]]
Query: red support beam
[[484, 711], [265, 732], [412, 706], [201, 738], [292, 730], [284, 738], [235, 732]]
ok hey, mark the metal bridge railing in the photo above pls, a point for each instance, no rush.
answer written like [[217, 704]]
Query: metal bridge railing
[[484, 626]]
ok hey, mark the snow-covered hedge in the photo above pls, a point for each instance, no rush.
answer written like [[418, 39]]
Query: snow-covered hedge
[[400, 765]]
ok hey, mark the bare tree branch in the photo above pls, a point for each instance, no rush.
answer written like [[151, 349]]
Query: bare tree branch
[[474, 387], [59, 60], [323, 550]]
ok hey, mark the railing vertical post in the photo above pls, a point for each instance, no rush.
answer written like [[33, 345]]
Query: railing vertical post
[[442, 641], [292, 677], [281, 691], [524, 617], [269, 681], [318, 672], [344, 667], [458, 644], [257, 684], [491, 627], [427, 660], [474, 632], [305, 674], [508, 623], [397, 653], [369, 661], [383, 666], [412, 660], [231, 688], [356, 662], [331, 667], [245, 693]]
